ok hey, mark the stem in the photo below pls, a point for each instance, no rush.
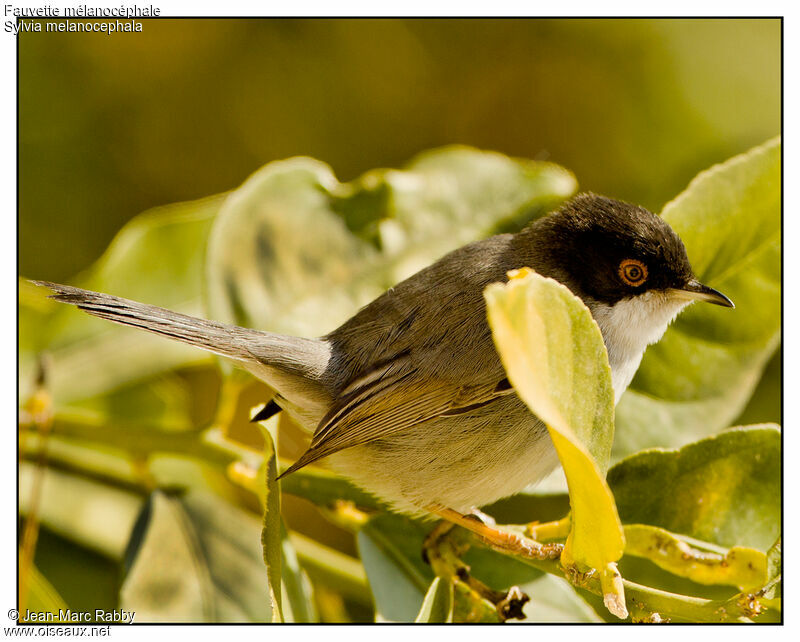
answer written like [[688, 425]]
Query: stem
[[39, 409], [136, 442], [639, 597]]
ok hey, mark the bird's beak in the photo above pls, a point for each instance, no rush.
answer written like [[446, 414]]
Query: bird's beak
[[696, 291]]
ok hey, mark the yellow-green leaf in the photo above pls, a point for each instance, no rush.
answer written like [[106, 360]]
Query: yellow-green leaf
[[555, 358], [271, 529]]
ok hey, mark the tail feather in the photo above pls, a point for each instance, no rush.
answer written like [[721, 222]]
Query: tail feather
[[225, 340], [294, 367]]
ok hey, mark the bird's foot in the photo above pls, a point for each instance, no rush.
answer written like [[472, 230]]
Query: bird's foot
[[443, 548], [500, 540], [510, 607], [475, 513]]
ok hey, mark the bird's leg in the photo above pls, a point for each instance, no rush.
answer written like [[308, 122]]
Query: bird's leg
[[443, 549], [479, 514], [500, 540]]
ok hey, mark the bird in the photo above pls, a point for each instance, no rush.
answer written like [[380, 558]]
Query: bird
[[409, 398]]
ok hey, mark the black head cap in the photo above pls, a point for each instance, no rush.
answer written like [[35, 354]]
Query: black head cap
[[609, 250]]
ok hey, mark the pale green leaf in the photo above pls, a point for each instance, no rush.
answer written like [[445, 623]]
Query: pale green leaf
[[280, 260], [195, 559], [284, 572], [295, 251], [438, 603], [552, 347], [390, 547], [699, 377]]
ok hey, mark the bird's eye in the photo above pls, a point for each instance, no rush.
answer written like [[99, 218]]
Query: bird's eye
[[633, 272]]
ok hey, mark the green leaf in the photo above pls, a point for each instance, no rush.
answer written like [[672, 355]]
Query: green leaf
[[271, 531], [390, 547], [765, 404], [286, 577], [294, 251], [699, 377], [280, 260], [438, 603], [724, 489], [195, 559], [555, 358]]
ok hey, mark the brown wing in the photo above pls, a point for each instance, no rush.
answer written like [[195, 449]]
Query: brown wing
[[388, 400]]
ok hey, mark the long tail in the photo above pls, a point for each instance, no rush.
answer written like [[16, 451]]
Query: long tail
[[225, 340], [293, 366]]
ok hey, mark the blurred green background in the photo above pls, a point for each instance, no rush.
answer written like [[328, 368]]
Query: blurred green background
[[113, 125]]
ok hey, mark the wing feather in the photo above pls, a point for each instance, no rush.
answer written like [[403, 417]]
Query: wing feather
[[396, 399]]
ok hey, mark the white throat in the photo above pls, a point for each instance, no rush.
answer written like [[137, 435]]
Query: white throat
[[629, 326]]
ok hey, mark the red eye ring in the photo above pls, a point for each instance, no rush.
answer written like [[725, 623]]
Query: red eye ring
[[632, 272]]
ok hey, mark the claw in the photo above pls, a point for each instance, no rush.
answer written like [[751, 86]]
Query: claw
[[510, 607]]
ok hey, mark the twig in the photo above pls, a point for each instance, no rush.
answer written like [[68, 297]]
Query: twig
[[39, 410]]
